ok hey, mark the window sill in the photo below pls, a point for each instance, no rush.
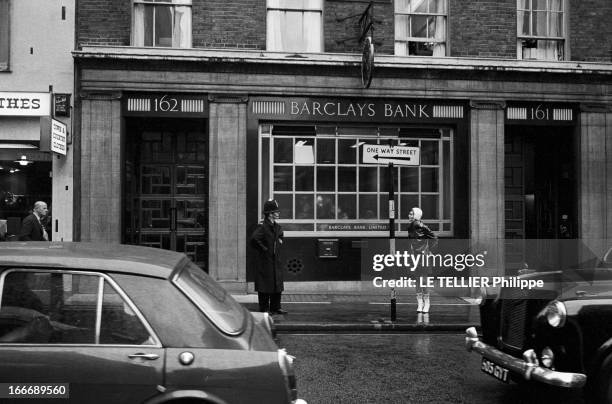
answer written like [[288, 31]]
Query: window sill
[[541, 60]]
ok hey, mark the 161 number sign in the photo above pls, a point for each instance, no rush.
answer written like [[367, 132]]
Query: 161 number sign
[[538, 113]]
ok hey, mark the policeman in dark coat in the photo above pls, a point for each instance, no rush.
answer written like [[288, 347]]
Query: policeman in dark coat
[[266, 240]]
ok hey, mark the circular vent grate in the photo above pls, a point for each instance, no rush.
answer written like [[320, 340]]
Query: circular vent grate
[[295, 265]]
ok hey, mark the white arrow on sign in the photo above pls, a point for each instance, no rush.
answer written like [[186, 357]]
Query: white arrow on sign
[[400, 155]]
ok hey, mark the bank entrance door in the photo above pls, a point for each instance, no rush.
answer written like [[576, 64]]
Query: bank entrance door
[[540, 192], [166, 186]]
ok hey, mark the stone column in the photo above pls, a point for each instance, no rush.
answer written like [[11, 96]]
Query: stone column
[[62, 210], [227, 206], [595, 188], [487, 181], [100, 167]]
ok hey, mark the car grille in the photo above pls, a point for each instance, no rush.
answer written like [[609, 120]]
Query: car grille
[[513, 322], [514, 317], [519, 307]]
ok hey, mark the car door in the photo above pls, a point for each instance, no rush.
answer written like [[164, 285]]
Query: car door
[[80, 329]]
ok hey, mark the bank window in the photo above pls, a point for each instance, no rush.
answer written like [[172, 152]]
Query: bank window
[[4, 35], [160, 23], [420, 27], [541, 29], [323, 186], [294, 25]]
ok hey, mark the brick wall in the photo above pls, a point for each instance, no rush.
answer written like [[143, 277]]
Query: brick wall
[[590, 30], [103, 22], [477, 28], [483, 28], [235, 24], [229, 24], [342, 29], [215, 23]]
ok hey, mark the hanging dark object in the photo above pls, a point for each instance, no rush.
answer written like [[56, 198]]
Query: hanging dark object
[[367, 62], [367, 55]]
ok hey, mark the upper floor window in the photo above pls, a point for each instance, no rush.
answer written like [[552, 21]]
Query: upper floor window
[[541, 29], [295, 25], [4, 34], [164, 23], [420, 27]]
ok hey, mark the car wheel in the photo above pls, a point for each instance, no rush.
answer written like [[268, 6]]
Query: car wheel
[[604, 382]]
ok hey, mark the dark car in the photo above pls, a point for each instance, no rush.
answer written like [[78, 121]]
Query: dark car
[[559, 334], [125, 324]]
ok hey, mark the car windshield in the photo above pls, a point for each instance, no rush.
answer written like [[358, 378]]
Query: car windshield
[[214, 301]]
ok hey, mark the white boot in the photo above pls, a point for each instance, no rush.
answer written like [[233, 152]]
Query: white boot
[[426, 303], [420, 302]]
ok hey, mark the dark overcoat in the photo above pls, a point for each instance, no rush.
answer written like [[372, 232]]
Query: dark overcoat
[[31, 229], [266, 240], [419, 234], [422, 240]]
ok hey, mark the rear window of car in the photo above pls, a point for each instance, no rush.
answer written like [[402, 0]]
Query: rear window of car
[[67, 307], [214, 301]]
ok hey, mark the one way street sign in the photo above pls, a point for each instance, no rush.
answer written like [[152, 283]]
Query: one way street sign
[[400, 155]]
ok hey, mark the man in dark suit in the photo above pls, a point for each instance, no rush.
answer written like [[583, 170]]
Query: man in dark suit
[[31, 227]]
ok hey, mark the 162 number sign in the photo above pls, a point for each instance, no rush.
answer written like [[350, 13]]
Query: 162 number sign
[[166, 104]]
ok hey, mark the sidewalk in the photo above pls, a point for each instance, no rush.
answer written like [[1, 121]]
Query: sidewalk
[[360, 313]]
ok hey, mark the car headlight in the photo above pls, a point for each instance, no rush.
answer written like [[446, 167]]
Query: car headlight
[[548, 358], [556, 314], [285, 362]]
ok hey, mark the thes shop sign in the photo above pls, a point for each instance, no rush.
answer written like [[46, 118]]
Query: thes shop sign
[[25, 104], [380, 110]]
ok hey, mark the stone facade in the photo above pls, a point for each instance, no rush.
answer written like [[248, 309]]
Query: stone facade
[[230, 66]]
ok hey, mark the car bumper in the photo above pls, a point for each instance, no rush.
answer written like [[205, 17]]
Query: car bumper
[[520, 367]]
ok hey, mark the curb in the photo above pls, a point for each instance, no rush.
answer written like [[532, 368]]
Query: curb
[[377, 327]]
